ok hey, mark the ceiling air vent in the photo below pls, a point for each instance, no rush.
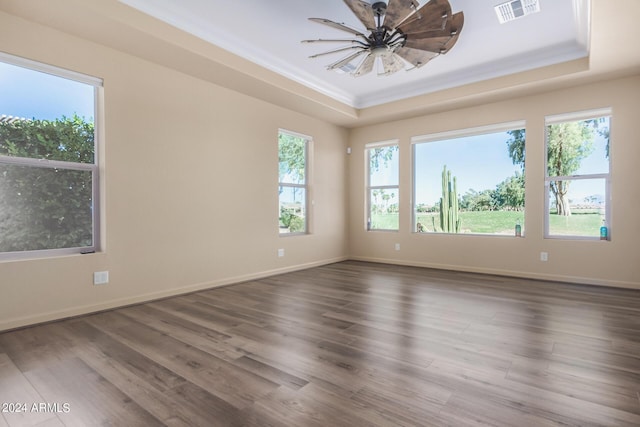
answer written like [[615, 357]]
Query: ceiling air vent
[[516, 9]]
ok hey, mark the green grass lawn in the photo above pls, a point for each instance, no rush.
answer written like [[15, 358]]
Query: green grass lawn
[[384, 221], [586, 223], [482, 222], [580, 223]]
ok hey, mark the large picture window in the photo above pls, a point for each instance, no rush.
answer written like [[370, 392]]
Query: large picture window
[[577, 175], [293, 186], [48, 165], [470, 181], [383, 186]]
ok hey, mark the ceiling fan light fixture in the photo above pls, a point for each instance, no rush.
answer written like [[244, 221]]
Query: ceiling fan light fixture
[[379, 51]]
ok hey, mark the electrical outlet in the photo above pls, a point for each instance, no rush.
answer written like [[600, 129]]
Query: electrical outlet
[[544, 256], [397, 246], [280, 253], [100, 277]]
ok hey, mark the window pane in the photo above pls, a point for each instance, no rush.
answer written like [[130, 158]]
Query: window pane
[[470, 184], [291, 159], [44, 208], [577, 207], [292, 210], [384, 209], [45, 116], [383, 166], [578, 147]]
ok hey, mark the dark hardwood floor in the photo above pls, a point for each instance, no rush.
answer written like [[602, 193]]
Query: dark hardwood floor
[[348, 344]]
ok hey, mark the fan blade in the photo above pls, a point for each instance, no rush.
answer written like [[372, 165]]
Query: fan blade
[[337, 26], [415, 57], [330, 41], [397, 10], [352, 41], [450, 43], [452, 27], [432, 15], [364, 12], [345, 61], [336, 51], [365, 66], [433, 44], [391, 63]]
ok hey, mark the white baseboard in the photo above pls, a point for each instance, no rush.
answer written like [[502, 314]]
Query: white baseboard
[[509, 273], [20, 322]]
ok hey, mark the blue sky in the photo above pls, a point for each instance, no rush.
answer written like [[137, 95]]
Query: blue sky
[[478, 162], [597, 161], [32, 94]]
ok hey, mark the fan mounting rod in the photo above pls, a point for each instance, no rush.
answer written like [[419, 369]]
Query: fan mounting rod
[[379, 8]]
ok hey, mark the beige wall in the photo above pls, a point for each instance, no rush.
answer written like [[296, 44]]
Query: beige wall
[[190, 184], [189, 173], [614, 263]]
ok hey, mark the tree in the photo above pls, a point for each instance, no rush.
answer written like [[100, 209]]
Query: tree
[[41, 207], [293, 222], [291, 158], [292, 153], [485, 200], [381, 155], [467, 201], [601, 125], [510, 192], [516, 146], [567, 145]]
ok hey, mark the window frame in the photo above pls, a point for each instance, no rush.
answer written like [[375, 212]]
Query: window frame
[[566, 118], [369, 188], [455, 134], [306, 186], [98, 92]]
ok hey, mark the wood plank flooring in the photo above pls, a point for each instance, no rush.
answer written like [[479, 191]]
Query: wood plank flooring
[[348, 344]]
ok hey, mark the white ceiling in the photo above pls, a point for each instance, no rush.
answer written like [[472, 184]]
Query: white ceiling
[[269, 34]]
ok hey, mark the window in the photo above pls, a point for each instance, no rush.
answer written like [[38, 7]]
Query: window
[[293, 185], [470, 181], [577, 175], [382, 186], [48, 166]]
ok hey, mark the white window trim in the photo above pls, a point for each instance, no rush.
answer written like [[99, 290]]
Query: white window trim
[[308, 149], [473, 131], [50, 69], [570, 117], [369, 187], [97, 84]]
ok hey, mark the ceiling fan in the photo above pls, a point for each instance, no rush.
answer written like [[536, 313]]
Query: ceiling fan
[[398, 30]]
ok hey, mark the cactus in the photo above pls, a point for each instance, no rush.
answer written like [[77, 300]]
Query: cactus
[[449, 210]]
